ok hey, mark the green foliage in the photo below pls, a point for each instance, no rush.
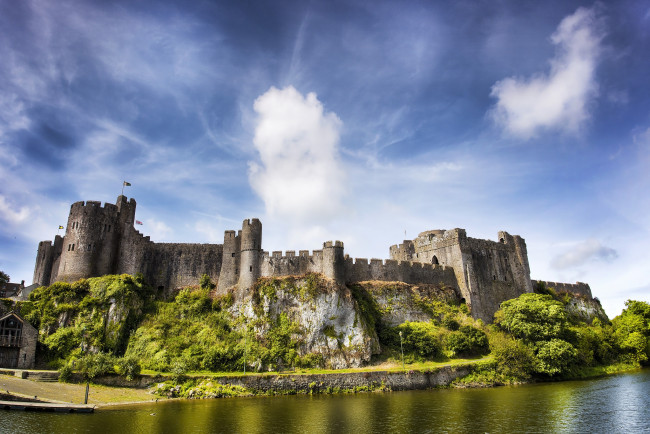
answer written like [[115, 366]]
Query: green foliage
[[420, 340], [128, 367], [99, 313], [61, 343], [450, 323], [554, 357], [205, 283], [4, 277], [533, 317], [467, 341], [367, 309], [94, 365], [632, 332], [513, 358]]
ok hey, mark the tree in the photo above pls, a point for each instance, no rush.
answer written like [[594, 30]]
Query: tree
[[4, 277], [533, 317]]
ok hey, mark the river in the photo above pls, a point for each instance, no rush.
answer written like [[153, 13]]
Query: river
[[617, 403]]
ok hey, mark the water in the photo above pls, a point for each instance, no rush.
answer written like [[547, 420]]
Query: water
[[613, 404]]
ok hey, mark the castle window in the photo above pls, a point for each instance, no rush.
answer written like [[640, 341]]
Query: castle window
[[251, 268], [494, 277], [73, 247], [233, 255], [501, 240], [90, 247], [69, 246], [434, 261], [109, 228]]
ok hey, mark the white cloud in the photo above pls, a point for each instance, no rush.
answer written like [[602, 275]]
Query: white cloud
[[300, 177], [583, 252], [11, 215], [557, 100]]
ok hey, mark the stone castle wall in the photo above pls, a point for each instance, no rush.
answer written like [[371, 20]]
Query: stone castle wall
[[101, 239], [577, 288]]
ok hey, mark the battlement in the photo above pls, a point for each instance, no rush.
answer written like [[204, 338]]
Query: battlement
[[251, 222], [390, 270], [330, 244], [578, 288]]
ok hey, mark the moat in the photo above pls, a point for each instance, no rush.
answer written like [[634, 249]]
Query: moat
[[611, 404]]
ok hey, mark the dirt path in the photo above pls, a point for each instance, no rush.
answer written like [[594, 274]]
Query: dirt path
[[64, 392]]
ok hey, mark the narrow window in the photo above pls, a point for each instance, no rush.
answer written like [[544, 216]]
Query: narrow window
[[69, 245], [434, 261], [90, 247], [233, 255], [251, 268], [109, 228], [73, 247]]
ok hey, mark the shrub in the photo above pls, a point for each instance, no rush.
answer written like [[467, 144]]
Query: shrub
[[533, 317], [128, 367], [468, 341], [554, 357], [419, 339], [513, 358], [450, 323], [95, 365]]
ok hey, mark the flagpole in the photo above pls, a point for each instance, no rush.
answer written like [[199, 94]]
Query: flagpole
[[122, 188]]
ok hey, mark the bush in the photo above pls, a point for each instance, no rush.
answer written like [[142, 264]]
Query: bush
[[554, 357], [128, 367], [450, 323], [420, 339], [468, 341], [95, 365], [513, 358], [533, 317]]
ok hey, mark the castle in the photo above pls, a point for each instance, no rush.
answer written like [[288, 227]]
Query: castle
[[102, 240]]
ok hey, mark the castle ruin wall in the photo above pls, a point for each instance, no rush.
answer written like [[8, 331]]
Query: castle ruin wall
[[578, 288]]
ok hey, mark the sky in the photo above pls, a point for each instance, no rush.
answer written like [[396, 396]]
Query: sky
[[361, 121]]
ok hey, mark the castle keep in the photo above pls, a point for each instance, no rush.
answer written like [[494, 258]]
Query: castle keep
[[102, 240]]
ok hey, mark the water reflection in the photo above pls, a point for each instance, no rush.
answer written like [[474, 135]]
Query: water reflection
[[613, 404]]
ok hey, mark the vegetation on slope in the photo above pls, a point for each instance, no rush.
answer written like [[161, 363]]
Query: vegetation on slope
[[118, 324]]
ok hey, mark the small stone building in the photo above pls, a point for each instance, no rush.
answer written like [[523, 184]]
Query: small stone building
[[17, 342]]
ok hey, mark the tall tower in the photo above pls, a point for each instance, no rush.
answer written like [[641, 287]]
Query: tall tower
[[230, 263], [251, 253], [334, 261], [92, 238]]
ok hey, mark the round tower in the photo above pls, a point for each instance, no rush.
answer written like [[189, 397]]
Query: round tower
[[334, 261], [229, 273], [90, 243], [251, 253]]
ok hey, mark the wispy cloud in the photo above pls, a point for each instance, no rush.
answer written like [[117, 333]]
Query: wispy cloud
[[581, 253], [559, 99]]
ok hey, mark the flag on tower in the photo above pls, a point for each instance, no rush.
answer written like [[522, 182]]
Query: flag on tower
[[60, 227], [138, 222], [127, 184]]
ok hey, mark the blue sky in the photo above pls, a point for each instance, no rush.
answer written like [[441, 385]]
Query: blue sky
[[358, 120]]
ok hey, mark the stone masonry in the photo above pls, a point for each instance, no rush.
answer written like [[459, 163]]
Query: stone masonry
[[102, 240]]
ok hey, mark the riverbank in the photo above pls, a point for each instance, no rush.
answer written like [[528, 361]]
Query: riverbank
[[112, 390]]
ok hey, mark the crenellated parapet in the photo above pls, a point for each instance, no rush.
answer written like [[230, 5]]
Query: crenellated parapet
[[101, 239], [578, 288]]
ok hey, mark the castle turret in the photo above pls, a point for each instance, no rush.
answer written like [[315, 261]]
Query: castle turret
[[334, 261], [251, 253], [230, 262], [47, 256], [91, 241]]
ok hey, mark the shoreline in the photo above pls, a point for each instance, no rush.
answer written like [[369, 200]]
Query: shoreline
[[267, 384]]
